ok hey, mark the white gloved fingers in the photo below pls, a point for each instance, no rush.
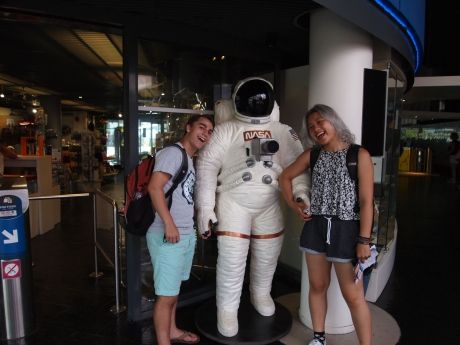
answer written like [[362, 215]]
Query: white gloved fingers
[[205, 217], [304, 198]]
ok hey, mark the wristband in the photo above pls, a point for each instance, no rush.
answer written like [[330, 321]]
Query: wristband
[[364, 243], [363, 240]]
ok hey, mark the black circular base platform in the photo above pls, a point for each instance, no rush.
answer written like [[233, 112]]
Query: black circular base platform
[[254, 329]]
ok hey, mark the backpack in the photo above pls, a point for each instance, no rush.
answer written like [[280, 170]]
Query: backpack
[[352, 167], [139, 212]]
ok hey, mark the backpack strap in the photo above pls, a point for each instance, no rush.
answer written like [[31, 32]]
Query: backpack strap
[[352, 167], [352, 161], [180, 174], [314, 154]]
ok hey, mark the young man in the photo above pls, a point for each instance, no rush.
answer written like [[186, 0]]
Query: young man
[[171, 238]]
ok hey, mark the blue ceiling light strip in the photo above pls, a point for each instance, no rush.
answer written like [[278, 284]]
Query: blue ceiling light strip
[[394, 14]]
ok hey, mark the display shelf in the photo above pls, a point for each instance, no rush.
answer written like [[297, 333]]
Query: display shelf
[[43, 214]]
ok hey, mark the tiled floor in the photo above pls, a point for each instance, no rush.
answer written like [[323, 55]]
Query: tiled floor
[[73, 308], [385, 329], [421, 294]]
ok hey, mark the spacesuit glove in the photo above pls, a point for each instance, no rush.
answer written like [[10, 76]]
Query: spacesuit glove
[[302, 197], [205, 218], [302, 206]]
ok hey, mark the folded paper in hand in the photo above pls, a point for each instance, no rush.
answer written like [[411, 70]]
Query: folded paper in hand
[[361, 266]]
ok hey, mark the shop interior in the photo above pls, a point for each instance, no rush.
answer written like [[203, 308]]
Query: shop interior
[[64, 98], [59, 97]]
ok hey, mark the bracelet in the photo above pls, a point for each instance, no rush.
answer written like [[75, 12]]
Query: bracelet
[[364, 243], [363, 240]]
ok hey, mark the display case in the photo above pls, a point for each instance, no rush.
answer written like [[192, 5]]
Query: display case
[[43, 214]]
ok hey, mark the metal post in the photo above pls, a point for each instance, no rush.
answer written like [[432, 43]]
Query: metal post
[[117, 308], [115, 264], [96, 273], [16, 302]]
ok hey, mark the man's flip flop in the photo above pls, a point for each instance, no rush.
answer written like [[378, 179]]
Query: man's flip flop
[[186, 338]]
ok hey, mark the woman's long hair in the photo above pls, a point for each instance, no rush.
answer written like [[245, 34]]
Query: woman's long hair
[[329, 114]]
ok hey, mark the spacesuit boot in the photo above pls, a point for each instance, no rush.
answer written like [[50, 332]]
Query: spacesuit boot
[[231, 264], [264, 257]]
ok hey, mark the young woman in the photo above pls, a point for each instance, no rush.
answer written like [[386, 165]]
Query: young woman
[[335, 232]]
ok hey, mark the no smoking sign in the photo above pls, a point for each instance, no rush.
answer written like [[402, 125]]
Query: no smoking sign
[[11, 269]]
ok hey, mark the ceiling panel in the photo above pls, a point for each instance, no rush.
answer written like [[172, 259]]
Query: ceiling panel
[[82, 58]]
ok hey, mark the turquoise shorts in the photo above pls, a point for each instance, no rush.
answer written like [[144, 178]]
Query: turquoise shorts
[[171, 262]]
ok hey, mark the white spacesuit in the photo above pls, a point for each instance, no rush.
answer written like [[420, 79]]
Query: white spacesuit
[[241, 163]]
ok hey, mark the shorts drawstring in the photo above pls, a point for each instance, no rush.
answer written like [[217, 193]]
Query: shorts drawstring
[[329, 225]]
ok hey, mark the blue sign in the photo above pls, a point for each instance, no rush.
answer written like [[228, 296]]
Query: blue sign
[[12, 232]]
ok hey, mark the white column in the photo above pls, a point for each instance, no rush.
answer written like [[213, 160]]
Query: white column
[[339, 53]]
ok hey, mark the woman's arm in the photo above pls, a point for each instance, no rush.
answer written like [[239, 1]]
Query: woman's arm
[[157, 195], [366, 201], [301, 164]]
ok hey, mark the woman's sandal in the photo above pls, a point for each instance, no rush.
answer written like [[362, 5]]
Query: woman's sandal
[[186, 338]]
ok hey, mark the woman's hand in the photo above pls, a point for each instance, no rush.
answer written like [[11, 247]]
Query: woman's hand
[[363, 251]]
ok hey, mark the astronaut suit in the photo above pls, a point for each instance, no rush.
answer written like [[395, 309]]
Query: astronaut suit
[[241, 164]]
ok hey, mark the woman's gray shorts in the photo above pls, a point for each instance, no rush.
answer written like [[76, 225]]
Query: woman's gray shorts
[[330, 236]]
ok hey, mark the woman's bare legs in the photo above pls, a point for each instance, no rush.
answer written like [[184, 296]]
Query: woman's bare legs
[[319, 275], [353, 293]]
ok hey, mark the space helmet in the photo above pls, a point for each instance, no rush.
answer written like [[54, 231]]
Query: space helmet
[[254, 100]]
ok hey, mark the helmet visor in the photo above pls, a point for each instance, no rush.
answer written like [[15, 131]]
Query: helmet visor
[[254, 98]]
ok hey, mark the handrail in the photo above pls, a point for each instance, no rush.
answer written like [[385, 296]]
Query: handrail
[[116, 264], [58, 196], [105, 197]]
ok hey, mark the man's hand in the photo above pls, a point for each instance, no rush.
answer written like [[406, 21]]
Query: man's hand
[[171, 234]]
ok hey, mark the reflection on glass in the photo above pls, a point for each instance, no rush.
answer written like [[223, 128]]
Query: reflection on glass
[[175, 82], [387, 201]]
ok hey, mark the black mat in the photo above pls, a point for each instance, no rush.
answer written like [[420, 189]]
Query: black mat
[[254, 329]]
